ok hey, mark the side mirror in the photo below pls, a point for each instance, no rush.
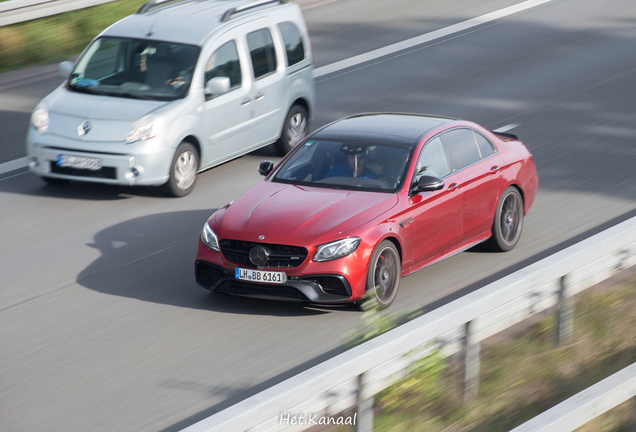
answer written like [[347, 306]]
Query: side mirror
[[217, 86], [428, 183], [65, 68], [265, 167]]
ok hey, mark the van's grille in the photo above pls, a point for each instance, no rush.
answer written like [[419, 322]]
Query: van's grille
[[104, 172], [280, 256]]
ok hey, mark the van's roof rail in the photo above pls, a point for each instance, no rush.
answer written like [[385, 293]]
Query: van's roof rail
[[228, 14], [151, 4]]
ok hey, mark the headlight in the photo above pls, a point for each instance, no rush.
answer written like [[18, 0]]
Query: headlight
[[337, 249], [40, 119], [209, 238], [145, 128]]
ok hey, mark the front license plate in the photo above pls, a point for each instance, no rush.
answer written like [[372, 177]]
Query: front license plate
[[77, 162], [262, 276]]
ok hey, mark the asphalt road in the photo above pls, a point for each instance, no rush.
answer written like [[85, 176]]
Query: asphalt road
[[102, 326]]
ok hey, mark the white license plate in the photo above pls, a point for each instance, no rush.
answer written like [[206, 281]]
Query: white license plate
[[262, 276], [77, 162]]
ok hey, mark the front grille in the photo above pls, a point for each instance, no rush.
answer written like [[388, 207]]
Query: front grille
[[254, 289], [104, 172], [333, 285], [280, 256], [207, 274]]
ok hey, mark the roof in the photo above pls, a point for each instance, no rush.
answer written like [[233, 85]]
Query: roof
[[408, 127], [187, 21]]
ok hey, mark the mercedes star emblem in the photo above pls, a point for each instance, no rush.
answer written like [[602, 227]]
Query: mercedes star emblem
[[259, 256], [261, 237]]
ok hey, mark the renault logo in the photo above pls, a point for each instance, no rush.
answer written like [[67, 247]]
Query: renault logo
[[259, 255], [84, 128]]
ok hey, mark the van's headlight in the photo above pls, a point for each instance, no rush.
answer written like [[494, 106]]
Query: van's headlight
[[209, 238], [145, 128], [40, 119], [337, 249]]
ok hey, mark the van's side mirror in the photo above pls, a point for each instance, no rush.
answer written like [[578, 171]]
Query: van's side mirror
[[427, 184], [65, 68], [217, 86], [265, 167]]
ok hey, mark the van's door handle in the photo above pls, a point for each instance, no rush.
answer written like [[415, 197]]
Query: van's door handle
[[453, 186], [245, 101], [259, 95], [494, 169]]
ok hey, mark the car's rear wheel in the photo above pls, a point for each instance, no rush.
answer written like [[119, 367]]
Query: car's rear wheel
[[183, 171], [295, 129], [508, 223], [383, 276], [56, 181]]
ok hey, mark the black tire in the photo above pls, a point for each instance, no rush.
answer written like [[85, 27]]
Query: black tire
[[383, 275], [508, 222], [183, 171], [55, 181], [295, 129]]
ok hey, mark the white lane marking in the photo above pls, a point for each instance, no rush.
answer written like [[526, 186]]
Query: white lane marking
[[427, 37], [14, 165], [506, 127], [381, 52]]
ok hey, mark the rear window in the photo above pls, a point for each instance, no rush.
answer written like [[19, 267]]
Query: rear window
[[262, 52], [294, 48]]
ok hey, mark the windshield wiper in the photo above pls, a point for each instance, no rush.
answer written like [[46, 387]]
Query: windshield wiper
[[137, 96], [89, 90]]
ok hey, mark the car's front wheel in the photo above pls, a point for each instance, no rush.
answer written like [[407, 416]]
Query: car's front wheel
[[508, 223], [183, 171], [383, 275], [295, 129]]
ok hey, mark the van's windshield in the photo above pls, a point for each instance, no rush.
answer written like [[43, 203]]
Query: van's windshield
[[135, 68]]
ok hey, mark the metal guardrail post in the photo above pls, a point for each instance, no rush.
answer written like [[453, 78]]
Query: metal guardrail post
[[471, 350], [565, 313], [365, 405]]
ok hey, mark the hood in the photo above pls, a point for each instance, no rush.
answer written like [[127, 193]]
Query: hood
[[110, 117], [280, 211]]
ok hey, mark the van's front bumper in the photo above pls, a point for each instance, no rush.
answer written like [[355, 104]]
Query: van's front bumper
[[143, 164]]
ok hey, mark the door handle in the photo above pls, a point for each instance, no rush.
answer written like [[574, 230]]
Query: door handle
[[245, 101], [453, 186], [259, 95], [494, 169]]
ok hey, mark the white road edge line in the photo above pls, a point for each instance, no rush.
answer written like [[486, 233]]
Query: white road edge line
[[427, 37], [375, 54], [14, 165], [506, 127]]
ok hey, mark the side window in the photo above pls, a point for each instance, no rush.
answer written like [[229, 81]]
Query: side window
[[485, 147], [432, 160], [262, 52], [462, 147], [293, 43], [225, 63]]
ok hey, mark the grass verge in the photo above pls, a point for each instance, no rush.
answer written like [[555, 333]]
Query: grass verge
[[55, 38], [522, 376]]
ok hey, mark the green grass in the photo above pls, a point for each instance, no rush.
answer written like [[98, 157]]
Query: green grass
[[53, 39], [521, 377]]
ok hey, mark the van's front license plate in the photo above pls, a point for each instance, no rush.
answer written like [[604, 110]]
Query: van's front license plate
[[262, 276], [77, 162]]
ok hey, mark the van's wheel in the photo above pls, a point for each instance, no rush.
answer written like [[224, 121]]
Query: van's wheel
[[295, 129], [56, 181], [183, 170], [508, 223], [383, 275]]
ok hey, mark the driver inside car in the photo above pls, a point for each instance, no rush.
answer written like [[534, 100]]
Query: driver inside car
[[355, 167]]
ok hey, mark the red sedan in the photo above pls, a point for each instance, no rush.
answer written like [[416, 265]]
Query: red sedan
[[364, 201]]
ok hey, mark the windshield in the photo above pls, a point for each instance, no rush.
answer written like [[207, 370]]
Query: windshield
[[135, 68], [347, 164]]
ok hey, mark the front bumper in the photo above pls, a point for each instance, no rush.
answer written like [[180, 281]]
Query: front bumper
[[309, 288], [143, 164]]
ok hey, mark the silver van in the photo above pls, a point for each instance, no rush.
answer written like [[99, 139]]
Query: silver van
[[177, 88]]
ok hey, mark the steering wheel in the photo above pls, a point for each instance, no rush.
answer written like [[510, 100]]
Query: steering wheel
[[379, 176]]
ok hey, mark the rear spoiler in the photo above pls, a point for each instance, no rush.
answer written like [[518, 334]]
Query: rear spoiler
[[507, 135]]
